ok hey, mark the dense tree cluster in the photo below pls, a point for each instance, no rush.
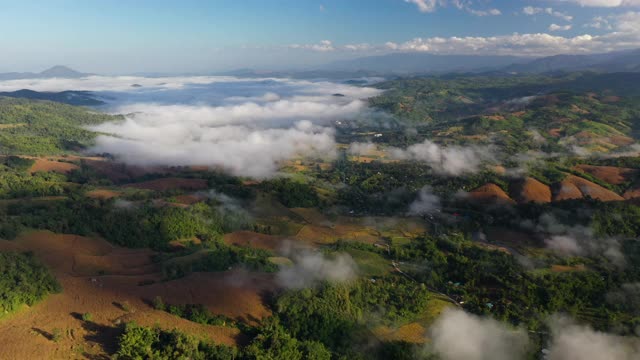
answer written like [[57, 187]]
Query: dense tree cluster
[[24, 280], [128, 224], [292, 193]]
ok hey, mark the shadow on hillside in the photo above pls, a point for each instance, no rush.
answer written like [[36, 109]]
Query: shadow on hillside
[[47, 335]]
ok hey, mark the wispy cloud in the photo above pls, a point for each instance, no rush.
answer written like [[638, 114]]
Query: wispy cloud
[[447, 160], [425, 6], [312, 267], [602, 3], [428, 6], [624, 34], [322, 46], [556, 27], [530, 10]]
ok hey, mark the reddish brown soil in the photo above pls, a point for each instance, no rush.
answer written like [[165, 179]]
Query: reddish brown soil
[[188, 199], [620, 140], [565, 268], [490, 193], [236, 294], [44, 165], [531, 190], [254, 240], [118, 172], [610, 174], [103, 194], [574, 187], [555, 132], [566, 190], [105, 281], [632, 194], [165, 184]]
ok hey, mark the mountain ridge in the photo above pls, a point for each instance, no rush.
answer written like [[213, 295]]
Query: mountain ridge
[[57, 71]]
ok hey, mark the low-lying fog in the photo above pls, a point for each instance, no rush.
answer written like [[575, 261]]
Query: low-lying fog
[[245, 126]]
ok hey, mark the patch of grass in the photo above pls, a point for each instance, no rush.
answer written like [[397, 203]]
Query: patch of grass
[[370, 264], [436, 305], [281, 261], [56, 335]]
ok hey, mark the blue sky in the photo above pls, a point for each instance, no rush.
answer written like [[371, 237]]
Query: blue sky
[[209, 35]]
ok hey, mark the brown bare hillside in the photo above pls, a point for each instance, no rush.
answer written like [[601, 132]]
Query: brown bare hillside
[[490, 193], [632, 194], [531, 190], [44, 165], [574, 187], [610, 174], [108, 282]]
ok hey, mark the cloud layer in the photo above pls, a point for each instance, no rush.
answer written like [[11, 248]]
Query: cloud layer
[[446, 160], [576, 342], [244, 126], [311, 268], [458, 335], [577, 240], [623, 33], [426, 202]]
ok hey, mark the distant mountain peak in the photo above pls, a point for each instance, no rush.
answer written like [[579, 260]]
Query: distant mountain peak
[[61, 71]]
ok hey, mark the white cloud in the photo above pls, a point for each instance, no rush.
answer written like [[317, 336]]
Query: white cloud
[[457, 335], [530, 10], [539, 44], [240, 150], [574, 342], [599, 22], [490, 12], [358, 47], [577, 240], [424, 5], [427, 6], [624, 34], [323, 46], [186, 123], [426, 202], [555, 27], [311, 267], [451, 160], [603, 3], [328, 46], [117, 83]]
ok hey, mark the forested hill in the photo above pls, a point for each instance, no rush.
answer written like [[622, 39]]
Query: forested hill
[[30, 127]]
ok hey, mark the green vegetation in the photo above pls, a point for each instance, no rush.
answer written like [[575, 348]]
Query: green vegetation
[[17, 182], [404, 278], [24, 280], [194, 312], [515, 116], [139, 342], [45, 128], [216, 256], [124, 223], [292, 193]]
